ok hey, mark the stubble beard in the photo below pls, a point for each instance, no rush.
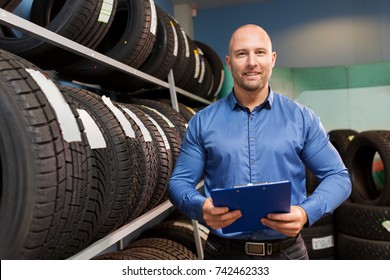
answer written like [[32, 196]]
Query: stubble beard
[[251, 86]]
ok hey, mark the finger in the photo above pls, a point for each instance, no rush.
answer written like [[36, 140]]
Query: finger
[[286, 228], [283, 217], [218, 210], [232, 215], [224, 217], [224, 220]]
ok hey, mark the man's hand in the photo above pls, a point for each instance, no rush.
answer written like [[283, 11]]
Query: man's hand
[[218, 217], [289, 224]]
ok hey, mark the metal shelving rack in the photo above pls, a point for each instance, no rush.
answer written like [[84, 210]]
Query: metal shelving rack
[[160, 212]]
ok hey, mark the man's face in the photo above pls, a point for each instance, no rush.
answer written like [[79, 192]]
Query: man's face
[[251, 59]]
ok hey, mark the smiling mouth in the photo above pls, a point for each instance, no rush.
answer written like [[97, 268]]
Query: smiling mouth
[[252, 74]]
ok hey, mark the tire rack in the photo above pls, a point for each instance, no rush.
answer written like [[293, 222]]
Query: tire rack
[[160, 212]]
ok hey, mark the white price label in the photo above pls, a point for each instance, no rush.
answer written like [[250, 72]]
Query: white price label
[[323, 242]]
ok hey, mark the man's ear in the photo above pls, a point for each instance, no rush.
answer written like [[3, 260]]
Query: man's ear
[[273, 59], [228, 62]]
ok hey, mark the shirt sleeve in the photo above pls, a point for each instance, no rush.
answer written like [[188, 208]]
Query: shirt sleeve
[[188, 172], [321, 157]]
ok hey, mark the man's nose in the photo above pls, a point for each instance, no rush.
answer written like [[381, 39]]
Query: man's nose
[[251, 59]]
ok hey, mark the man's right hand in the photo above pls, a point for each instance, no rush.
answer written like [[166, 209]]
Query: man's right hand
[[218, 217]]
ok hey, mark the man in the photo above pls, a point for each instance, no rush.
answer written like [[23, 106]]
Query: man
[[256, 135]]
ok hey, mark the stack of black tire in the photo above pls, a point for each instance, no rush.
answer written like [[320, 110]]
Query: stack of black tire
[[360, 227], [136, 33], [76, 165], [363, 222]]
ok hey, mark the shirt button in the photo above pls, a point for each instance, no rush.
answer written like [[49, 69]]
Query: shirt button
[[253, 162]]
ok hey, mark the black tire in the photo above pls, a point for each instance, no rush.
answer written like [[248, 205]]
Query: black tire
[[43, 164], [77, 20], [363, 221], [175, 117], [359, 159], [216, 67], [340, 139], [180, 69], [119, 166], [354, 248], [9, 5], [164, 52], [193, 68], [165, 163], [129, 40], [206, 79], [320, 241], [186, 111], [157, 159], [180, 231], [148, 153], [130, 255], [157, 64], [168, 127], [200, 81], [168, 249]]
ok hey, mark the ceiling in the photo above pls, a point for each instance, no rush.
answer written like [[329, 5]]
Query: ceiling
[[211, 4]]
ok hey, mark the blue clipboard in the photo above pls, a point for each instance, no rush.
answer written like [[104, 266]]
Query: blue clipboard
[[255, 201]]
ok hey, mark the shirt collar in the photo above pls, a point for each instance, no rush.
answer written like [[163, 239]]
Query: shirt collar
[[268, 102]]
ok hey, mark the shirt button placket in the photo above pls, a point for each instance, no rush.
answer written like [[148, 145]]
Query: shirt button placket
[[252, 148]]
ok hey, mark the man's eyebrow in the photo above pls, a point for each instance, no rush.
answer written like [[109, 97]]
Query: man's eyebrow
[[246, 50]]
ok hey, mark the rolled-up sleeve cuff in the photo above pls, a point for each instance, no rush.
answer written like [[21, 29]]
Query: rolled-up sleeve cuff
[[313, 210], [196, 207]]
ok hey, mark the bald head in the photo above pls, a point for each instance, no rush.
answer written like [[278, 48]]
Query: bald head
[[249, 30], [250, 60]]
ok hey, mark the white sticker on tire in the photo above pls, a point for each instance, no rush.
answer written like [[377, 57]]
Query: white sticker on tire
[[94, 135], [153, 21], [126, 125], [106, 11], [163, 136], [386, 225], [185, 42], [176, 43], [323, 242], [140, 124], [161, 115], [202, 71], [67, 121]]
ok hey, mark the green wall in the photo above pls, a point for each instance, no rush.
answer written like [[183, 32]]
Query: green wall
[[355, 96]]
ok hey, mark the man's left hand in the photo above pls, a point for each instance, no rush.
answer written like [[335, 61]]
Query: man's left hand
[[289, 224]]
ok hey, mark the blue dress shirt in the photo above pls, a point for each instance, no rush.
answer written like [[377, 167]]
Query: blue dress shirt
[[228, 145]]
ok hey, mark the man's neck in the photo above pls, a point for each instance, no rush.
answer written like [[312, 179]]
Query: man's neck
[[251, 99]]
